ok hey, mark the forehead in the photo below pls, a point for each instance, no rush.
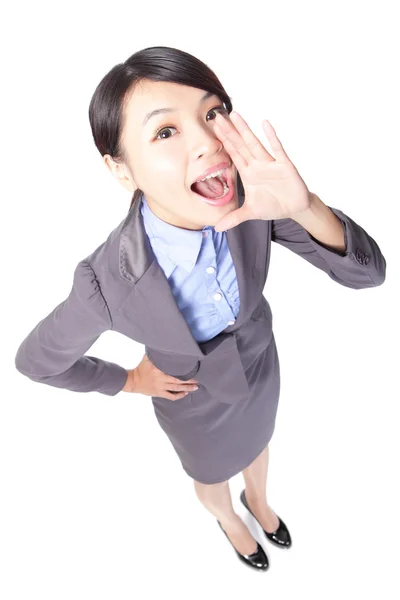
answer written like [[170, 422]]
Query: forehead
[[153, 95]]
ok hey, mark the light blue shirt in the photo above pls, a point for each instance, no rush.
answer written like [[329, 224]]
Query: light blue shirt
[[199, 268]]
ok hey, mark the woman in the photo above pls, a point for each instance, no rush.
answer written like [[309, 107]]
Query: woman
[[184, 275]]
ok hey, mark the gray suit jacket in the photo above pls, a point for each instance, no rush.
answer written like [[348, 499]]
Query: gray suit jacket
[[121, 287]]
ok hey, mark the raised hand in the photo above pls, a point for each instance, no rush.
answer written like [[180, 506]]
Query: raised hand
[[273, 187]]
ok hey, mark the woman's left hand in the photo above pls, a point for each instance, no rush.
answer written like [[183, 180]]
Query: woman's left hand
[[273, 187]]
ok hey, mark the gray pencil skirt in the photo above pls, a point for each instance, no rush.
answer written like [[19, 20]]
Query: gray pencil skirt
[[214, 440]]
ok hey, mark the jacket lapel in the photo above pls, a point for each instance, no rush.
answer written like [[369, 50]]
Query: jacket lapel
[[152, 300]]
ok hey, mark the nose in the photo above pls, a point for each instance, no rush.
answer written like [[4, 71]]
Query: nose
[[207, 142]]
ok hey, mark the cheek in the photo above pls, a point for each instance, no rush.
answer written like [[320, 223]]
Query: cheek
[[166, 171]]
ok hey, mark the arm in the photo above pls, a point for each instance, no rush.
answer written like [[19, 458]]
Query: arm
[[53, 351], [359, 265]]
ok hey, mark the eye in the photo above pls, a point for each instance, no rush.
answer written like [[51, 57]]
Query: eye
[[220, 108], [158, 132]]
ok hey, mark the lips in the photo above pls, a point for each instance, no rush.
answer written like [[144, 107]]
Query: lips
[[221, 165]]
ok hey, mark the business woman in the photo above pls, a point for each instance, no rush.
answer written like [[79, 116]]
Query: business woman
[[184, 274]]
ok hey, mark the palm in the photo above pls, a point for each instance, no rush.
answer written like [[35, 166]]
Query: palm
[[273, 187], [272, 191]]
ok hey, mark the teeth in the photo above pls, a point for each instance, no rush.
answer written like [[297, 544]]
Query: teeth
[[215, 174], [226, 189]]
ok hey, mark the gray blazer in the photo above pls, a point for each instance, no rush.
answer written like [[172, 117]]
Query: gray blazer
[[121, 287]]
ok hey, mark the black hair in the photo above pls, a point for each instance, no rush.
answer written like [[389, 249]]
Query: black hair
[[157, 63]]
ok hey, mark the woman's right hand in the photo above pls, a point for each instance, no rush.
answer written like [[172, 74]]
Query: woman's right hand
[[148, 380]]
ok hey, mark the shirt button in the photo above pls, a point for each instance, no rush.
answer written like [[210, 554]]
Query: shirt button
[[210, 269], [205, 233], [231, 322], [217, 296]]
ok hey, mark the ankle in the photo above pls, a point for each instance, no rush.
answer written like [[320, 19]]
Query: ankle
[[255, 498], [231, 524]]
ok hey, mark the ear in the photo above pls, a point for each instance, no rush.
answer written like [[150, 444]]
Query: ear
[[120, 172]]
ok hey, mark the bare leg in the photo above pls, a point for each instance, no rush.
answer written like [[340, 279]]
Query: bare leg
[[217, 500], [255, 476]]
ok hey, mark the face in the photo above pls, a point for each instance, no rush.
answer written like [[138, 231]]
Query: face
[[165, 164]]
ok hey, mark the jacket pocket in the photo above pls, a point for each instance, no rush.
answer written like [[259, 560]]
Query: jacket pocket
[[191, 373], [180, 366]]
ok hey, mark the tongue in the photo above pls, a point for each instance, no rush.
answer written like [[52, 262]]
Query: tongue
[[210, 188]]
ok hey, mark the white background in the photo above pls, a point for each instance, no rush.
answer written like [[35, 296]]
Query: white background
[[94, 502]]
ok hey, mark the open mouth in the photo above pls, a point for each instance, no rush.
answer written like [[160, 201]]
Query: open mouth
[[217, 190]]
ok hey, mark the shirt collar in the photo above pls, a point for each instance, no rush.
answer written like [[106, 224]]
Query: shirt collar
[[181, 246]]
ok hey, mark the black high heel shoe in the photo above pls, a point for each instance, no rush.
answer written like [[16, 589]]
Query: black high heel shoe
[[280, 537], [257, 560]]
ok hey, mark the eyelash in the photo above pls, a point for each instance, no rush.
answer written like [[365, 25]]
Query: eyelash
[[158, 131]]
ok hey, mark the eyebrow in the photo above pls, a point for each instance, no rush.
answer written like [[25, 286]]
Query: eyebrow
[[168, 110]]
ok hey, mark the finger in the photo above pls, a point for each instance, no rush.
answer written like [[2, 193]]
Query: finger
[[226, 131], [276, 145], [256, 148], [239, 134], [237, 158], [171, 379], [173, 397], [233, 218], [180, 387]]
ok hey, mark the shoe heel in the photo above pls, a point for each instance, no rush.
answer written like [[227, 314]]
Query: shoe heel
[[281, 537], [257, 560]]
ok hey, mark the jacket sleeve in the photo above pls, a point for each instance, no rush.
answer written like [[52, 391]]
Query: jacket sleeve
[[53, 351], [361, 265]]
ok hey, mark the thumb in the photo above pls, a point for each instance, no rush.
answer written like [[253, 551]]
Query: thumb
[[232, 219]]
